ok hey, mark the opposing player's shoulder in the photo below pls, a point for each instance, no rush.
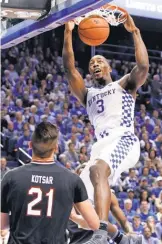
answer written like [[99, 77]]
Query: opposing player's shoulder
[[74, 178], [68, 173], [18, 169], [13, 173]]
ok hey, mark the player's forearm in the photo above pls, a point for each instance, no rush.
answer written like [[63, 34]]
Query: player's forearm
[[123, 222], [120, 216], [127, 227], [78, 219], [141, 54], [68, 53]]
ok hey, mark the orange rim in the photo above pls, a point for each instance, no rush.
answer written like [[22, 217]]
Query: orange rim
[[115, 7]]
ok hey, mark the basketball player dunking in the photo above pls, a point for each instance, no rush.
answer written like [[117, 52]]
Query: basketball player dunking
[[110, 106]]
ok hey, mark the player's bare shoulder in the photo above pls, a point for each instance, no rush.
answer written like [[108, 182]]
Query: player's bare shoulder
[[126, 85]]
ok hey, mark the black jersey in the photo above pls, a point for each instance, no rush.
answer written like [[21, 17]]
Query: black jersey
[[40, 199], [78, 235]]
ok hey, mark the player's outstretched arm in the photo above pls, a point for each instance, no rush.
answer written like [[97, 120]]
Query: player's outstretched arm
[[89, 214], [139, 73], [75, 80]]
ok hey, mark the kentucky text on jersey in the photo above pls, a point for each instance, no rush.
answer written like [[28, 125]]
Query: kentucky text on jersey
[[100, 96], [42, 179]]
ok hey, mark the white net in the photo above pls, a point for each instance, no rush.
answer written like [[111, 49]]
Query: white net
[[113, 14]]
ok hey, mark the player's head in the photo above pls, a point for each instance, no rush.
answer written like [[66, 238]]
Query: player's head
[[44, 141], [100, 69]]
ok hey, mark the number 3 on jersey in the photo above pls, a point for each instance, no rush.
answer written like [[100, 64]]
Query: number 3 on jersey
[[39, 195], [100, 104]]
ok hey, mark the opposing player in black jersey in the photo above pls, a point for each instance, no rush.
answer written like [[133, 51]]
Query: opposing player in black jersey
[[40, 195]]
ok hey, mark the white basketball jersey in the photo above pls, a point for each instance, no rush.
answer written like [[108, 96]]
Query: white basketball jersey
[[110, 108]]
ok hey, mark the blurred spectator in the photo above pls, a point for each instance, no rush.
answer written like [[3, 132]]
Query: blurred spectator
[[143, 185], [83, 155], [148, 125], [32, 123], [130, 181], [23, 141], [75, 141], [156, 191], [158, 201], [137, 225], [131, 196], [148, 238], [13, 75], [151, 224], [159, 229], [63, 159], [10, 138], [71, 154], [144, 196], [33, 112], [153, 156], [88, 143], [155, 116], [18, 122], [144, 211], [4, 168], [156, 90], [146, 174], [145, 93], [128, 210], [88, 81]]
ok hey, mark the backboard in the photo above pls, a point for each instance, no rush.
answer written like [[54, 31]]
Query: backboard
[[61, 12]]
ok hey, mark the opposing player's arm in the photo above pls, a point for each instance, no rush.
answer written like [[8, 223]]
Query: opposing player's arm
[[89, 214], [84, 206], [119, 215], [79, 220], [4, 221], [4, 215], [75, 80], [139, 73]]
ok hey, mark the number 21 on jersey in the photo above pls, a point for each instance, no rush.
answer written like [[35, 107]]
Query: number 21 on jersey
[[31, 209]]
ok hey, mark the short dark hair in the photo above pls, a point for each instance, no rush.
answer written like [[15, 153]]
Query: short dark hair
[[44, 139]]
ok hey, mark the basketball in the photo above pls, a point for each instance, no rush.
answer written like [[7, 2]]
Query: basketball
[[93, 30]]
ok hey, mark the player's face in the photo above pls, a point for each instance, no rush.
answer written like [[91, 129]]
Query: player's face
[[3, 163], [99, 68]]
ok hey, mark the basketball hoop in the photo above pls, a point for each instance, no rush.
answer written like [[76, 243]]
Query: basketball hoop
[[113, 14]]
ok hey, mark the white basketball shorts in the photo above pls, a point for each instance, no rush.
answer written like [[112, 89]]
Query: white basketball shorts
[[120, 152]]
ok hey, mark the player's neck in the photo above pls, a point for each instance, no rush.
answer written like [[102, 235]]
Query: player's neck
[[108, 79], [42, 160]]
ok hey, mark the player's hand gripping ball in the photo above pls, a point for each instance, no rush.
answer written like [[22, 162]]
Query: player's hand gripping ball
[[93, 30]]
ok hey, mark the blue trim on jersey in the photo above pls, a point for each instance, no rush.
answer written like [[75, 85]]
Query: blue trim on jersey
[[122, 149], [127, 103]]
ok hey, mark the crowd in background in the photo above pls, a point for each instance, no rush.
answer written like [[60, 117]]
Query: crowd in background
[[34, 88]]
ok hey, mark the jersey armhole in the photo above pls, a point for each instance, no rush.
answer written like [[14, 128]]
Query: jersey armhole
[[85, 97]]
